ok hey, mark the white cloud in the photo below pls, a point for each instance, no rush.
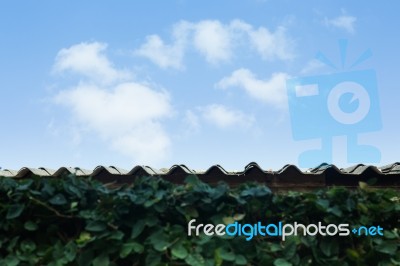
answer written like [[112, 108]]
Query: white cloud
[[163, 55], [192, 121], [344, 22], [88, 59], [269, 45], [312, 66], [127, 115], [213, 40], [272, 91], [223, 117], [272, 45], [216, 42], [166, 55]]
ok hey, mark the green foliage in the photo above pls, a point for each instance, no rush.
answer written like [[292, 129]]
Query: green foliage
[[77, 221]]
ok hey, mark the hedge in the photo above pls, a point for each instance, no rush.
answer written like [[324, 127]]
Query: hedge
[[79, 221]]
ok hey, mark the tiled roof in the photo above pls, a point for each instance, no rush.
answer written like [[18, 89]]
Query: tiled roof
[[287, 177]]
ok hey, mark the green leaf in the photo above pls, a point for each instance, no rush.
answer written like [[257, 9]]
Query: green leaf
[[282, 262], [96, 226], [15, 211], [83, 237], [353, 254], [275, 247], [228, 220], [328, 247], [258, 191], [153, 259], [137, 229], [70, 251], [195, 260], [387, 248], [363, 185], [28, 246], [227, 255], [323, 203], [85, 258], [116, 235], [336, 211], [12, 243], [132, 247], [73, 205], [47, 189], [389, 234], [240, 260], [159, 241], [362, 207], [24, 185], [179, 251], [239, 216], [30, 226], [58, 199], [191, 212], [289, 250], [217, 257], [11, 260], [192, 180], [102, 260]]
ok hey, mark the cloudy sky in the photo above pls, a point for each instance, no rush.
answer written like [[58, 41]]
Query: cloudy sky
[[175, 82]]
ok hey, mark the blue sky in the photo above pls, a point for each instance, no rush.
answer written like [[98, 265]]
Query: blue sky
[[175, 82]]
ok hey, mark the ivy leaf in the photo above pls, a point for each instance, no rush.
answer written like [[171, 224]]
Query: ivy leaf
[[11, 260], [30, 226], [47, 189], [24, 185], [328, 247], [290, 250], [128, 248], [28, 246], [353, 254], [83, 237], [58, 199], [240, 260], [73, 205], [102, 260], [336, 211], [70, 251], [389, 234], [387, 248], [192, 180], [138, 228], [153, 259], [275, 247], [282, 262], [159, 241], [363, 185], [96, 226], [227, 255], [15, 211], [323, 203], [228, 220], [85, 258], [195, 260], [239, 216], [217, 258], [116, 235], [179, 251]]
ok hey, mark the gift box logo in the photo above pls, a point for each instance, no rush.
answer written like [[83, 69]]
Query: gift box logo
[[342, 103]]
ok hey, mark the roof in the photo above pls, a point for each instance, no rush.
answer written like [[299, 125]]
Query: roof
[[287, 177]]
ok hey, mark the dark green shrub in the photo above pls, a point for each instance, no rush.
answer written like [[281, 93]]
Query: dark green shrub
[[77, 221]]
